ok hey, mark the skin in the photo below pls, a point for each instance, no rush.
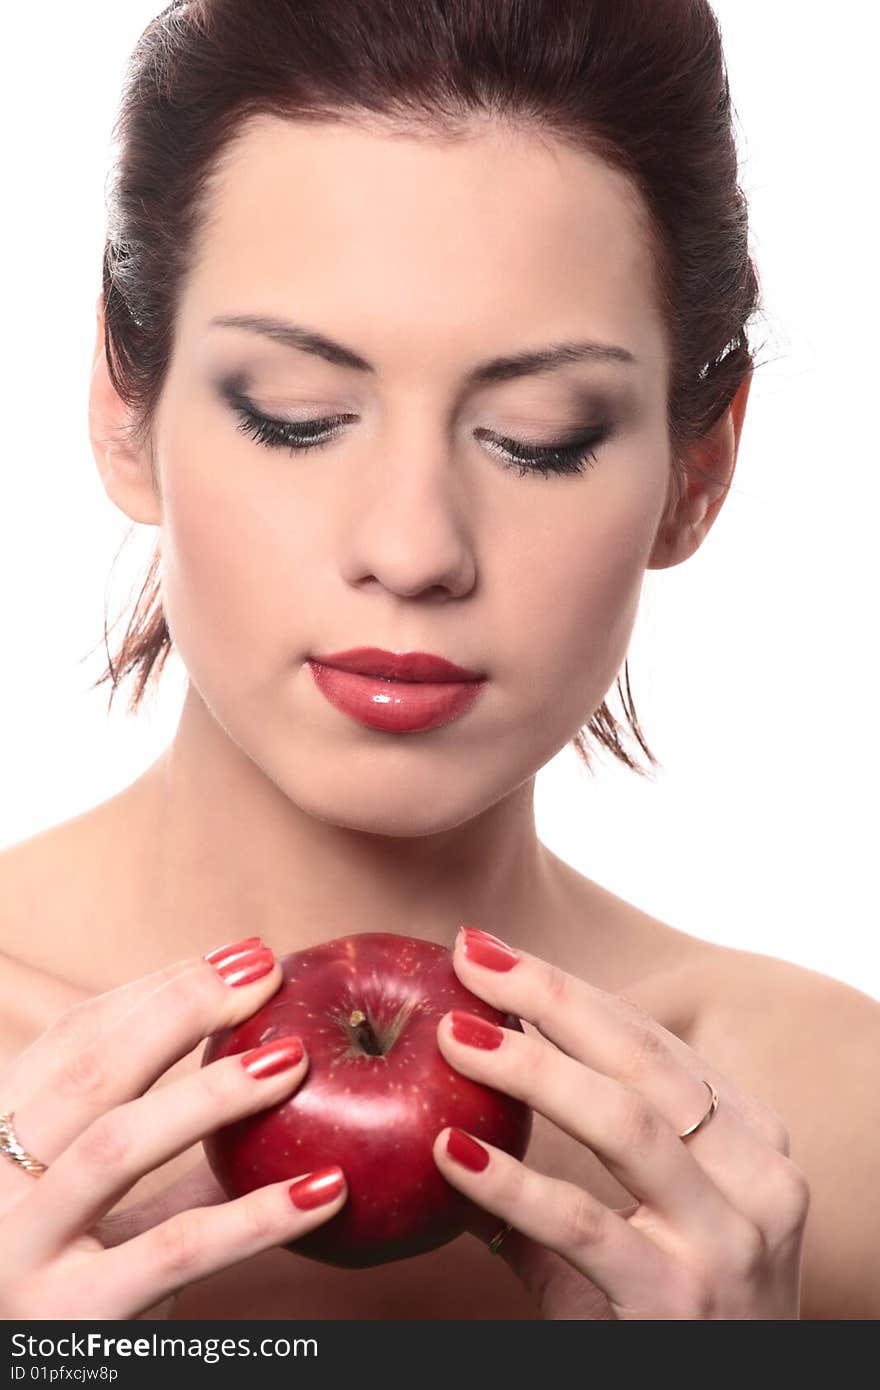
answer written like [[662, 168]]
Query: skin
[[269, 557], [718, 1225], [407, 532]]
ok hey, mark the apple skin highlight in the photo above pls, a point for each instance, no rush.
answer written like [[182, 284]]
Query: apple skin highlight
[[374, 1112]]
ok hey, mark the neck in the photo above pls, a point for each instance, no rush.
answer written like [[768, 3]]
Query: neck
[[225, 854]]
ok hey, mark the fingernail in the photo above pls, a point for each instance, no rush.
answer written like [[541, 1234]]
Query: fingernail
[[221, 951], [466, 1150], [318, 1188], [243, 967], [483, 949], [476, 1032], [273, 1057]]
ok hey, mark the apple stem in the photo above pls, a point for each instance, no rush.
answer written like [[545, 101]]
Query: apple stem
[[360, 1026]]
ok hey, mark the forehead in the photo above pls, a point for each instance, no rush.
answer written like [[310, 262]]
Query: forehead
[[485, 236]]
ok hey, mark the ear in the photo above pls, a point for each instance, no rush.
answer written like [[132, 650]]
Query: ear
[[126, 472], [710, 467]]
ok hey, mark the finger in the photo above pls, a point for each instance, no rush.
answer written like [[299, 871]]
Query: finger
[[619, 1260], [606, 1031], [122, 1282], [549, 1278], [84, 1023], [127, 1057], [628, 1134], [616, 1038], [122, 1145]]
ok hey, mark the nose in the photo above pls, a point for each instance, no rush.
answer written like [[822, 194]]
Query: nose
[[412, 529]]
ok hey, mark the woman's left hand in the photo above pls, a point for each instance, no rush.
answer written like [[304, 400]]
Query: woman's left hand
[[718, 1226]]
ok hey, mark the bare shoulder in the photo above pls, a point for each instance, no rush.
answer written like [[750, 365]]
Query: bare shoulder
[[779, 1024], [804, 1044], [808, 1045], [34, 883], [44, 878]]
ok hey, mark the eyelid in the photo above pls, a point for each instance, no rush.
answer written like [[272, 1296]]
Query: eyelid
[[572, 456], [234, 392], [586, 407], [330, 425], [563, 437], [597, 423]]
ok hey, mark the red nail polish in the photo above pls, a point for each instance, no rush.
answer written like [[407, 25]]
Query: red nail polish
[[476, 1032], [243, 969], [222, 951], [273, 1057], [318, 1188], [488, 950], [466, 1150]]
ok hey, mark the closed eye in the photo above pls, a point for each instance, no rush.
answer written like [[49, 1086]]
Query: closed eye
[[565, 456]]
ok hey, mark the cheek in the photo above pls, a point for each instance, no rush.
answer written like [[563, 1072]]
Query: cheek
[[578, 585], [232, 562]]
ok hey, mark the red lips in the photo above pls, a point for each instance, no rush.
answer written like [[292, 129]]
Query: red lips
[[397, 692], [401, 666]]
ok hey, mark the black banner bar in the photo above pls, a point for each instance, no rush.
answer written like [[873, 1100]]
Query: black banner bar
[[130, 1354]]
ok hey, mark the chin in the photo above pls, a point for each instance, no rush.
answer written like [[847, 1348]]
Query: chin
[[398, 821], [363, 795]]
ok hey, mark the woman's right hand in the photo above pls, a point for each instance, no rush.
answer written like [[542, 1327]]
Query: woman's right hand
[[77, 1094]]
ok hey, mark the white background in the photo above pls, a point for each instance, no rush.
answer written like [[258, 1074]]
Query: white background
[[753, 665]]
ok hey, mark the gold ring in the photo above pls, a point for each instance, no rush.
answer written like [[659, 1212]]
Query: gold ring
[[13, 1149], [713, 1106]]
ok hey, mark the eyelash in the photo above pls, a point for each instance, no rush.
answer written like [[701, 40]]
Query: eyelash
[[567, 456]]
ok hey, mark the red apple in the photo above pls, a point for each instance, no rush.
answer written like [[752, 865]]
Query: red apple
[[377, 1092]]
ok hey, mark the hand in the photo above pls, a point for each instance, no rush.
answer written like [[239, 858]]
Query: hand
[[718, 1224], [78, 1102]]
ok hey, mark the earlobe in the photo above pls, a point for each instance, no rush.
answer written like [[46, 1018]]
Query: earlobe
[[125, 471], [710, 466]]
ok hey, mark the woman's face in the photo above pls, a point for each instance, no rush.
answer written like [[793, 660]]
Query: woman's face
[[412, 529]]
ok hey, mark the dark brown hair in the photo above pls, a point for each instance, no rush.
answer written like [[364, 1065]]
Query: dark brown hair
[[641, 83]]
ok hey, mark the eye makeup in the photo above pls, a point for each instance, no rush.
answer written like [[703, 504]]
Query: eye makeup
[[573, 455]]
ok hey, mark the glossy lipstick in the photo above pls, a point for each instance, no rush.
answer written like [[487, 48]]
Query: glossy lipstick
[[396, 691]]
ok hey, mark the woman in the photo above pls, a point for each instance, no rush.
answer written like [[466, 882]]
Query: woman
[[423, 329]]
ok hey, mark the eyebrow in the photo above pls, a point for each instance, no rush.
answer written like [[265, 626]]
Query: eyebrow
[[496, 369]]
